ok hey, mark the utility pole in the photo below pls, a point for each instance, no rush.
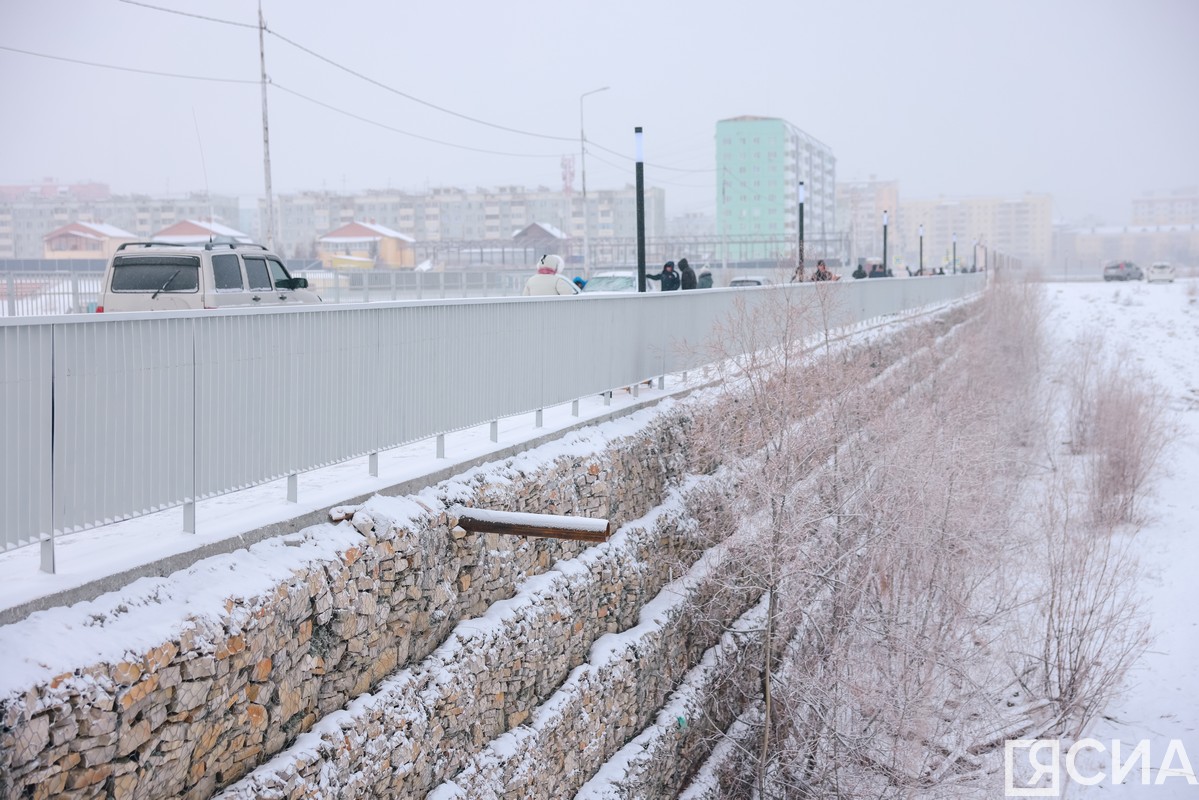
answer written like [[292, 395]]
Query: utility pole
[[266, 136], [583, 163]]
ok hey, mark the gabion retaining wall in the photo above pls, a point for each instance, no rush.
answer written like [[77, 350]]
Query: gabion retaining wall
[[231, 689]]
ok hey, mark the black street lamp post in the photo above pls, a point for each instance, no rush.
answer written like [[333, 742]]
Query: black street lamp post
[[884, 242], [640, 211], [799, 260]]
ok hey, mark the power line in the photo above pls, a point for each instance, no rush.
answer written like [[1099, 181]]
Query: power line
[[656, 180], [415, 99], [647, 163], [359, 75], [360, 118], [125, 69], [189, 14]]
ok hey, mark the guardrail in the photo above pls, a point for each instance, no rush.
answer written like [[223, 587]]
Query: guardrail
[[110, 416], [43, 293]]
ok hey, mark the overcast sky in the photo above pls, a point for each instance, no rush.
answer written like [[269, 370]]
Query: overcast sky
[[1093, 101]]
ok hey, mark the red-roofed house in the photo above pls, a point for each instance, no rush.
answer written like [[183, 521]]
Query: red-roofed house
[[539, 232], [196, 231], [84, 240], [365, 245]]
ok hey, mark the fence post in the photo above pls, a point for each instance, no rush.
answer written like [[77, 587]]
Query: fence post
[[10, 292]]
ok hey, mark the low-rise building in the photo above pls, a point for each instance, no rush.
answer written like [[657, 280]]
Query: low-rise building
[[366, 245], [85, 240], [197, 231]]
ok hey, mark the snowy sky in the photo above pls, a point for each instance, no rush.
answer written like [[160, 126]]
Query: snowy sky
[[1161, 321], [1090, 100]]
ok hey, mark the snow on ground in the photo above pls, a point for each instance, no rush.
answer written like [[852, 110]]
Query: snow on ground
[[1159, 326], [50, 642], [1158, 323]]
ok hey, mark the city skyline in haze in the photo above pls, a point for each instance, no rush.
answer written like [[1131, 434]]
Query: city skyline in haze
[[1090, 102]]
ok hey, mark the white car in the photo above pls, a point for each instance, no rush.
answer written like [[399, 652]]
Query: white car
[[751, 280], [1160, 271], [616, 281]]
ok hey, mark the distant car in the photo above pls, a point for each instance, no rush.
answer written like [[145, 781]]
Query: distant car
[[616, 281], [1122, 271], [751, 280], [156, 276], [1160, 271]]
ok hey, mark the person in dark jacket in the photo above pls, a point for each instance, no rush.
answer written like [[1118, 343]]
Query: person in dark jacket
[[860, 272], [686, 275], [822, 273], [669, 278]]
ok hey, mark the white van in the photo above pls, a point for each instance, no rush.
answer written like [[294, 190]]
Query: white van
[[156, 276]]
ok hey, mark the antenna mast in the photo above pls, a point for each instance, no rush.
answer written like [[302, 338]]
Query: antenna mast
[[266, 137], [204, 166]]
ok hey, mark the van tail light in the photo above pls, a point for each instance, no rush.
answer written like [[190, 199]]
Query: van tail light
[[99, 309]]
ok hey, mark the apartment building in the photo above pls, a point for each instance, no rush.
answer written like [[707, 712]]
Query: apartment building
[[760, 162], [449, 214], [860, 207], [29, 214], [1019, 227], [1165, 208]]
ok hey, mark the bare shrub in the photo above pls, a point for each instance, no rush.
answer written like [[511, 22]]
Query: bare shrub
[[1093, 629], [915, 620], [1131, 430], [1081, 379]]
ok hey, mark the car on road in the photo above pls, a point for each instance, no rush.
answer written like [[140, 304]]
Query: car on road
[[616, 281], [1160, 271], [751, 280], [158, 276], [1122, 271]]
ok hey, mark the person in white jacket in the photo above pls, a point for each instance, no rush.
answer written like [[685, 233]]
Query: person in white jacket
[[549, 279]]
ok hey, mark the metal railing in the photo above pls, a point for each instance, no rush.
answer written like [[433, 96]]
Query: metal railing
[[77, 291], [111, 416]]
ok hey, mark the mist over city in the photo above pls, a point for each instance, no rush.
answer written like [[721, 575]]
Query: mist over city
[[1089, 102]]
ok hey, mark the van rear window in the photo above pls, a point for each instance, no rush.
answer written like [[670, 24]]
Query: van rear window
[[156, 274]]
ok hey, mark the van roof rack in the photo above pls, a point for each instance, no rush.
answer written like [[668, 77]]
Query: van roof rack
[[206, 245], [123, 245], [233, 245]]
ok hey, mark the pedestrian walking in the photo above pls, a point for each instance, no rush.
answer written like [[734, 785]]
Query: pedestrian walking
[[669, 278], [686, 275], [549, 280]]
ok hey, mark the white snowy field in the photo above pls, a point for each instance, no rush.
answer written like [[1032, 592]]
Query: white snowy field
[[1157, 324]]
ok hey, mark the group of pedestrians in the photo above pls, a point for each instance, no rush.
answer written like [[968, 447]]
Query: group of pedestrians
[[549, 280], [671, 279]]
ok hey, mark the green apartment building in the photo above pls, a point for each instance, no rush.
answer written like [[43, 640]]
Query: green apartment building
[[759, 164]]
